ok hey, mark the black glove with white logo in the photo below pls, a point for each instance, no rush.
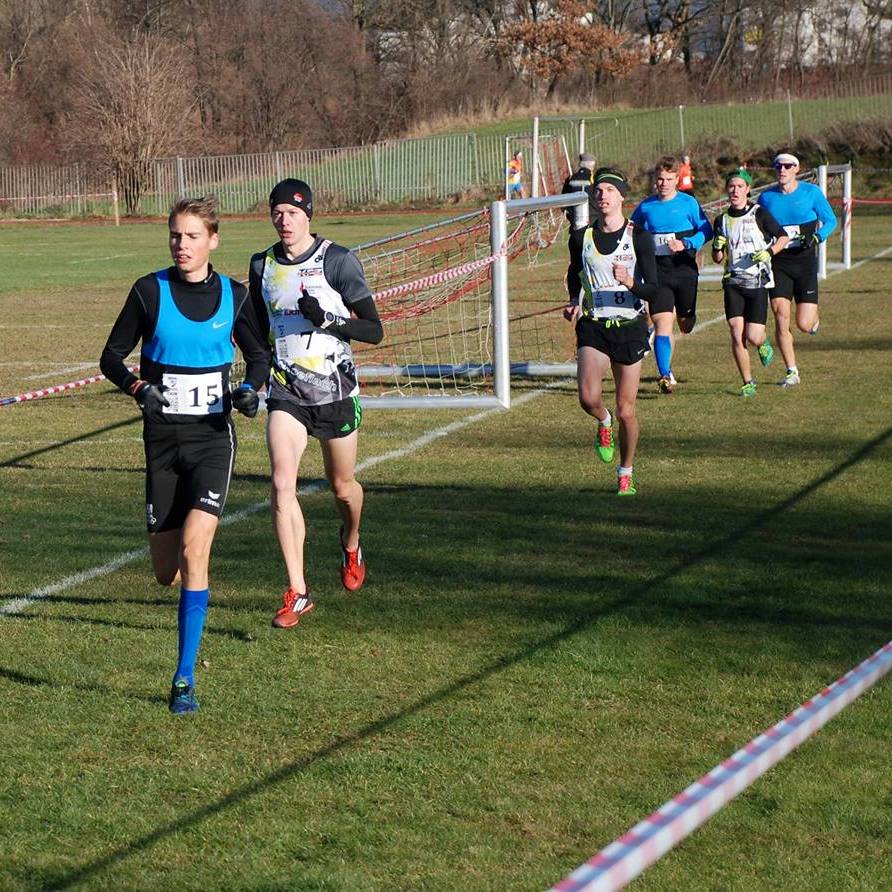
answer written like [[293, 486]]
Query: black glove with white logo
[[150, 398], [245, 400]]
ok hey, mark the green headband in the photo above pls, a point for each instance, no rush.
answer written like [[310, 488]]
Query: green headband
[[615, 180], [740, 173]]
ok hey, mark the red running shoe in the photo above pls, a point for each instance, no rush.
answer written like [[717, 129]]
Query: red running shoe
[[352, 566], [294, 606]]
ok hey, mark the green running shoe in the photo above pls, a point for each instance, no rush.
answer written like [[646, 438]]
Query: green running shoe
[[766, 353], [748, 389], [625, 486], [605, 444]]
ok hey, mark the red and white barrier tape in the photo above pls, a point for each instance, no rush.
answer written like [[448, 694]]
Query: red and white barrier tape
[[437, 278], [57, 388], [620, 862]]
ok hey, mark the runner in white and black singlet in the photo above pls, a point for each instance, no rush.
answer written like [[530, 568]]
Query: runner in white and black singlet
[[187, 317], [611, 276], [745, 239], [316, 300]]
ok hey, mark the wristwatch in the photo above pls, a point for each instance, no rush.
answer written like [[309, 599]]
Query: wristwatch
[[329, 319]]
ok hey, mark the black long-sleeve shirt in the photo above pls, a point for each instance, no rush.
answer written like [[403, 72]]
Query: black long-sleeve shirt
[[645, 275], [197, 301]]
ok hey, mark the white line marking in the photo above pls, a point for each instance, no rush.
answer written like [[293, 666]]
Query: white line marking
[[69, 582], [100, 259], [80, 367], [876, 256]]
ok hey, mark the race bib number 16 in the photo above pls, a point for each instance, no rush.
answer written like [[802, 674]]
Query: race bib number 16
[[188, 394]]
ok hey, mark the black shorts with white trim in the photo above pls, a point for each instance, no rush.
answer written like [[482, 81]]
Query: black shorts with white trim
[[188, 466]]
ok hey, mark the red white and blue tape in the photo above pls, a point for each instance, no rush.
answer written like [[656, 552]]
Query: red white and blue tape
[[56, 388], [620, 862]]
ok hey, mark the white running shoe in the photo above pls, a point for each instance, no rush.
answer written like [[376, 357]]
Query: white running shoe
[[672, 380], [790, 379]]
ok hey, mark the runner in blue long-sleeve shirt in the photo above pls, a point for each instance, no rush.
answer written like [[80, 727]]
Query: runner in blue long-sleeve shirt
[[808, 220], [680, 229]]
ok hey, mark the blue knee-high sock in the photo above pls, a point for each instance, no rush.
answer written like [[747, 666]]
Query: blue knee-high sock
[[663, 353], [193, 609]]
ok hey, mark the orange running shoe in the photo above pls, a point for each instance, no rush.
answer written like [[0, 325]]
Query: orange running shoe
[[352, 566], [294, 606]]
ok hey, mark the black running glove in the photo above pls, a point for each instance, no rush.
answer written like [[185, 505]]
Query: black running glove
[[151, 399], [310, 309], [246, 400]]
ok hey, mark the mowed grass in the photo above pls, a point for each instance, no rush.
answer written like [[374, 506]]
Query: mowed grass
[[533, 665]]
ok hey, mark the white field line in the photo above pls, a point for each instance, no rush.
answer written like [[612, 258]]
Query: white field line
[[127, 557], [100, 259], [80, 367], [121, 560]]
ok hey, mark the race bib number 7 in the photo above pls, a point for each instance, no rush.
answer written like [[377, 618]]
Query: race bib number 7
[[193, 394], [312, 350]]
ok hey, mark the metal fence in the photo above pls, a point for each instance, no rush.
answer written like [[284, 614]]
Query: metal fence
[[386, 173], [633, 138], [441, 168]]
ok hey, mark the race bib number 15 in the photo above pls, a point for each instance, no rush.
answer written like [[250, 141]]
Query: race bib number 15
[[200, 394]]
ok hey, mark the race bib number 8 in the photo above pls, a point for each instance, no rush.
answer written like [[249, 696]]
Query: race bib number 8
[[189, 394]]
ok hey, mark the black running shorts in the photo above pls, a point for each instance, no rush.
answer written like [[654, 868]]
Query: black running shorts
[[795, 276], [188, 466], [678, 292], [326, 422], [625, 343], [751, 303]]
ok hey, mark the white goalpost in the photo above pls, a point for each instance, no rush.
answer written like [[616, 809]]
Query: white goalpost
[[453, 338]]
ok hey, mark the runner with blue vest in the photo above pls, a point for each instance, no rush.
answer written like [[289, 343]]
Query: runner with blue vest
[[611, 277], [680, 229], [316, 301], [187, 317], [808, 220], [745, 238]]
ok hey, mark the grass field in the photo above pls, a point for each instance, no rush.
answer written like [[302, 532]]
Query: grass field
[[533, 665]]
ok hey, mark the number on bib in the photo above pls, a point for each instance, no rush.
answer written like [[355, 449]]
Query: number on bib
[[193, 394]]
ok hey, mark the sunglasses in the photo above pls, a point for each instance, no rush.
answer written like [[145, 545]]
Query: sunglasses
[[786, 165]]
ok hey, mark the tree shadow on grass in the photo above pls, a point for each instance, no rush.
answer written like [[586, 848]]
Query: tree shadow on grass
[[17, 460], [222, 631], [92, 690], [632, 595]]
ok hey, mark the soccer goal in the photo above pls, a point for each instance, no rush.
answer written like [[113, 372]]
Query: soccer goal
[[548, 160], [453, 335]]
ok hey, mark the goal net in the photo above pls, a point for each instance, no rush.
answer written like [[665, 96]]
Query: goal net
[[433, 290]]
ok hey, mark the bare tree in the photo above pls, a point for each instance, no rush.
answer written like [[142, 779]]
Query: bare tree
[[135, 106]]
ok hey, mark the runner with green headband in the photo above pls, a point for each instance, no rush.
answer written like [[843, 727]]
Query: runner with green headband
[[745, 238]]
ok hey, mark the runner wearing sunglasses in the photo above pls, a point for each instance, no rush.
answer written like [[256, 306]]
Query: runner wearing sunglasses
[[808, 220]]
